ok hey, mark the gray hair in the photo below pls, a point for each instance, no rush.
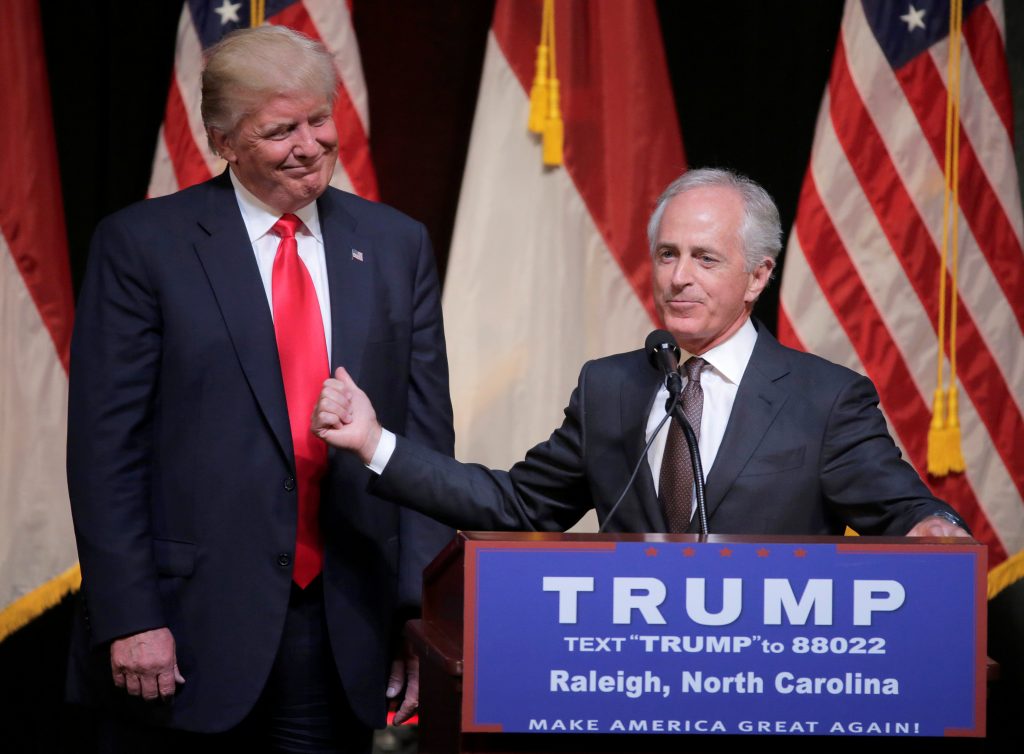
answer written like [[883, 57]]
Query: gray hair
[[760, 231], [248, 67]]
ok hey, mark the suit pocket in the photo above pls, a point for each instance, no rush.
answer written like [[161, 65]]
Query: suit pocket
[[174, 558], [775, 462]]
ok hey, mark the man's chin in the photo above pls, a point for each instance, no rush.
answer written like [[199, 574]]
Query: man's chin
[[310, 187], [681, 326], [684, 332]]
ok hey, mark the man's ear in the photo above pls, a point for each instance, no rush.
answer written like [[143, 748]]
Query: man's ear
[[759, 279], [222, 144]]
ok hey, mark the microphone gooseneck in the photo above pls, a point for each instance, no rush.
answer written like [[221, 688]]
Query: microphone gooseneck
[[663, 355], [643, 455], [676, 409]]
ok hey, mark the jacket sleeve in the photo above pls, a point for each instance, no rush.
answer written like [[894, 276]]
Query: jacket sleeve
[[428, 421], [546, 491], [864, 477], [115, 357]]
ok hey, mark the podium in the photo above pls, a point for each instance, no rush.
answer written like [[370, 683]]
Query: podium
[[534, 642]]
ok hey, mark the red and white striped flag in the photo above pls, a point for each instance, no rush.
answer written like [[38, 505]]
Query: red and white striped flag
[[38, 560], [549, 265], [861, 281], [183, 157]]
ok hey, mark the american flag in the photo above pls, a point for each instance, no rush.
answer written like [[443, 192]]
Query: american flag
[[182, 156], [861, 281]]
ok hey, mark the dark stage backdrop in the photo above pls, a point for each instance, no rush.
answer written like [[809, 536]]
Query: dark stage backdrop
[[748, 77]]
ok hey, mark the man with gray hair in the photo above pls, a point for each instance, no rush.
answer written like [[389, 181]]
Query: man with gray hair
[[791, 443], [240, 587]]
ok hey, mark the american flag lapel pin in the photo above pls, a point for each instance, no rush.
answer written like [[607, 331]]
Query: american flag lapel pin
[[357, 255]]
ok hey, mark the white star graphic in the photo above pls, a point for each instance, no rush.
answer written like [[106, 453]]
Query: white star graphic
[[228, 11], [913, 18]]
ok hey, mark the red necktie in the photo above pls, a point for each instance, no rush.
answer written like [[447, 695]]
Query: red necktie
[[304, 367]]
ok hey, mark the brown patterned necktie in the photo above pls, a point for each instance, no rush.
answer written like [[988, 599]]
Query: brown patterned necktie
[[675, 486]]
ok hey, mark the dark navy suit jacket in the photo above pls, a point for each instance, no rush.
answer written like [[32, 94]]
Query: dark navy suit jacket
[[180, 461], [805, 452]]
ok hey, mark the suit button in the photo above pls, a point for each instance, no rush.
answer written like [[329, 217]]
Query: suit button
[[289, 483], [284, 560]]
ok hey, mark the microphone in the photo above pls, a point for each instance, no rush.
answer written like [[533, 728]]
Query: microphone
[[663, 353]]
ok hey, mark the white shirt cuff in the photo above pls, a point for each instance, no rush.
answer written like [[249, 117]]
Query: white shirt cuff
[[381, 456]]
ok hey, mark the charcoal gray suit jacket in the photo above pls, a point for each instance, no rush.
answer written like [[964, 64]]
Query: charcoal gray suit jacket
[[806, 452]]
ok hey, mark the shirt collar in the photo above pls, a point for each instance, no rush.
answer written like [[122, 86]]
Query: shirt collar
[[730, 358], [260, 218]]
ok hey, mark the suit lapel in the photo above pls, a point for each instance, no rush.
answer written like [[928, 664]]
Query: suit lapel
[[351, 265], [637, 399], [227, 257], [758, 401]]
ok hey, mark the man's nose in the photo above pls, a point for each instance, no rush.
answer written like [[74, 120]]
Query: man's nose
[[305, 143], [682, 272]]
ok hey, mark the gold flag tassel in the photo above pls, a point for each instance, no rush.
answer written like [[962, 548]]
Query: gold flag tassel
[[554, 129], [539, 90], [937, 463], [945, 453], [954, 449]]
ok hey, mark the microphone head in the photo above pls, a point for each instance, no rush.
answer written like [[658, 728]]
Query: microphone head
[[661, 344]]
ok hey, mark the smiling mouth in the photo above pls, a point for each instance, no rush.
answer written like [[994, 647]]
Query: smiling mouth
[[303, 169], [309, 165]]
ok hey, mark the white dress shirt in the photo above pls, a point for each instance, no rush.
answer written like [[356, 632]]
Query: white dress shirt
[[720, 379], [259, 219]]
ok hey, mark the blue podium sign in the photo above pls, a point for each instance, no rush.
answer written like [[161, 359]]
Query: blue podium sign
[[727, 637]]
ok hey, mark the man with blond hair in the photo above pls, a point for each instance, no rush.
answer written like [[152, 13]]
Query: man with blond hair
[[240, 586]]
